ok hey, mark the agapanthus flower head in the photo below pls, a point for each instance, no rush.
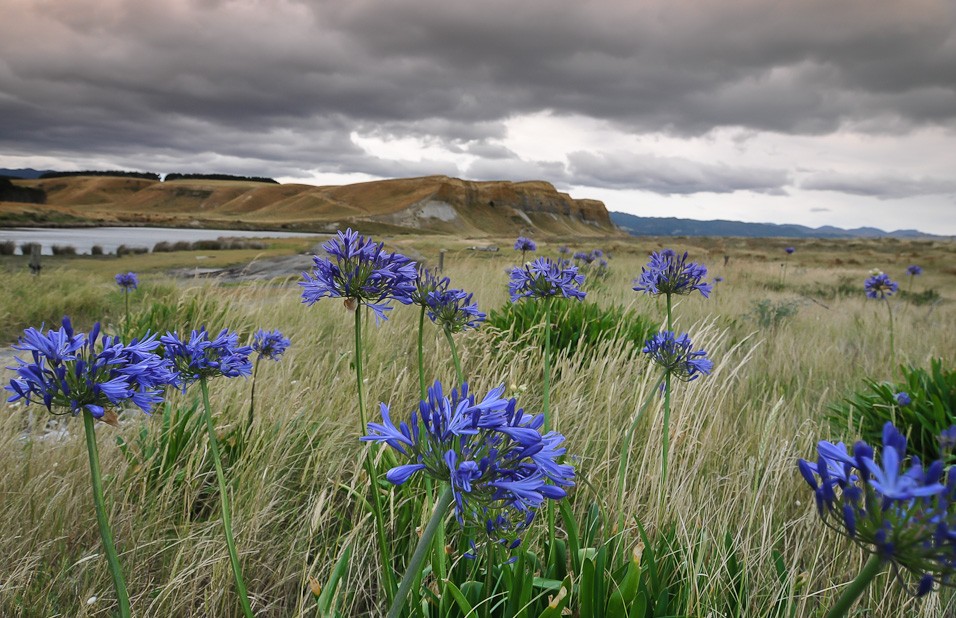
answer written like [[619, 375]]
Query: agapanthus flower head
[[880, 286], [269, 344], [903, 398], [718, 279], [427, 283], [897, 509], [564, 250], [454, 310], [127, 281], [789, 250], [914, 270], [596, 254], [525, 244], [500, 467], [544, 278], [361, 272], [675, 354], [670, 273], [73, 372], [200, 357], [582, 256]]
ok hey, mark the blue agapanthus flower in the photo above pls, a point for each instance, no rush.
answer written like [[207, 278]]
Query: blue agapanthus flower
[[525, 244], [201, 357], [900, 512], [127, 281], [544, 278], [500, 467], [903, 398], [454, 310], [789, 250], [583, 256], [427, 283], [269, 344], [914, 270], [677, 356], [669, 273], [74, 372], [361, 272], [880, 286], [564, 250]]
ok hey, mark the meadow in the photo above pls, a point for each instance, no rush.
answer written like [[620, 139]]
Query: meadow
[[788, 335]]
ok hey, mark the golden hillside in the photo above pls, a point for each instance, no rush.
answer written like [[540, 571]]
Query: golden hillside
[[413, 205]]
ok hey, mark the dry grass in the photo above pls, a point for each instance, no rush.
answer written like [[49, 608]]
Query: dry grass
[[736, 436]]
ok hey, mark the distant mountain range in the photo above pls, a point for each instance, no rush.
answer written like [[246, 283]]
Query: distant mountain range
[[27, 173], [671, 226]]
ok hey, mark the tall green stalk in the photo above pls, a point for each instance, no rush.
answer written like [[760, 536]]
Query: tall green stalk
[[126, 295], [853, 591], [252, 396], [421, 550], [421, 354], [624, 457], [116, 571], [666, 437], [546, 396], [889, 311], [454, 357], [383, 546], [224, 502]]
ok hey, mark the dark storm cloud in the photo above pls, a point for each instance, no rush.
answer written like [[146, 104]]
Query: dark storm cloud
[[284, 83], [881, 187], [670, 175]]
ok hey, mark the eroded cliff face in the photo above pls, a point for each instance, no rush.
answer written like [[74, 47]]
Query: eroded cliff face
[[431, 203]]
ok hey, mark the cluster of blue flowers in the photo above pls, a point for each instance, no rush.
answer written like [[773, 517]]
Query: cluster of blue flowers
[[78, 371], [500, 467], [544, 278], [269, 344], [902, 514], [199, 357], [880, 286], [127, 281], [360, 271], [669, 273], [913, 270], [525, 244], [675, 354], [454, 310]]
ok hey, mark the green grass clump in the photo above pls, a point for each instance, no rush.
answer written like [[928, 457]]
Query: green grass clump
[[931, 410], [577, 327]]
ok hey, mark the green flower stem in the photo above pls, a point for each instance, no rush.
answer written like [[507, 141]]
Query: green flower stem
[[383, 546], [889, 311], [119, 584], [666, 437], [252, 396], [625, 456], [224, 502], [126, 295], [421, 550], [454, 357], [546, 397], [421, 354], [853, 591]]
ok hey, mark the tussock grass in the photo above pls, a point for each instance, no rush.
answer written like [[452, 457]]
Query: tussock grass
[[734, 492]]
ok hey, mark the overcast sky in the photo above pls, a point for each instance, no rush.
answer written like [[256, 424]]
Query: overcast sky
[[819, 112]]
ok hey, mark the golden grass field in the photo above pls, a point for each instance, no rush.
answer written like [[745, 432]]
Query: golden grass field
[[736, 434]]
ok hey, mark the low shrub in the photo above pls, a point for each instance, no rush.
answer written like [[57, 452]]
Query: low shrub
[[96, 250], [127, 250], [8, 247], [926, 297], [931, 409], [182, 245], [769, 314], [63, 250], [27, 247], [163, 246]]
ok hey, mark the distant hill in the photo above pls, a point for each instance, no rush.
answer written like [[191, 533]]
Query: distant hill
[[28, 173], [407, 205], [670, 226]]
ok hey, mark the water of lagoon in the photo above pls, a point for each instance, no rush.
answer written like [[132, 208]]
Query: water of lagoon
[[83, 238]]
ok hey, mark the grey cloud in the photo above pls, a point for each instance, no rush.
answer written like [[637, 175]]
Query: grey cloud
[[285, 82], [516, 169], [881, 187], [670, 175]]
